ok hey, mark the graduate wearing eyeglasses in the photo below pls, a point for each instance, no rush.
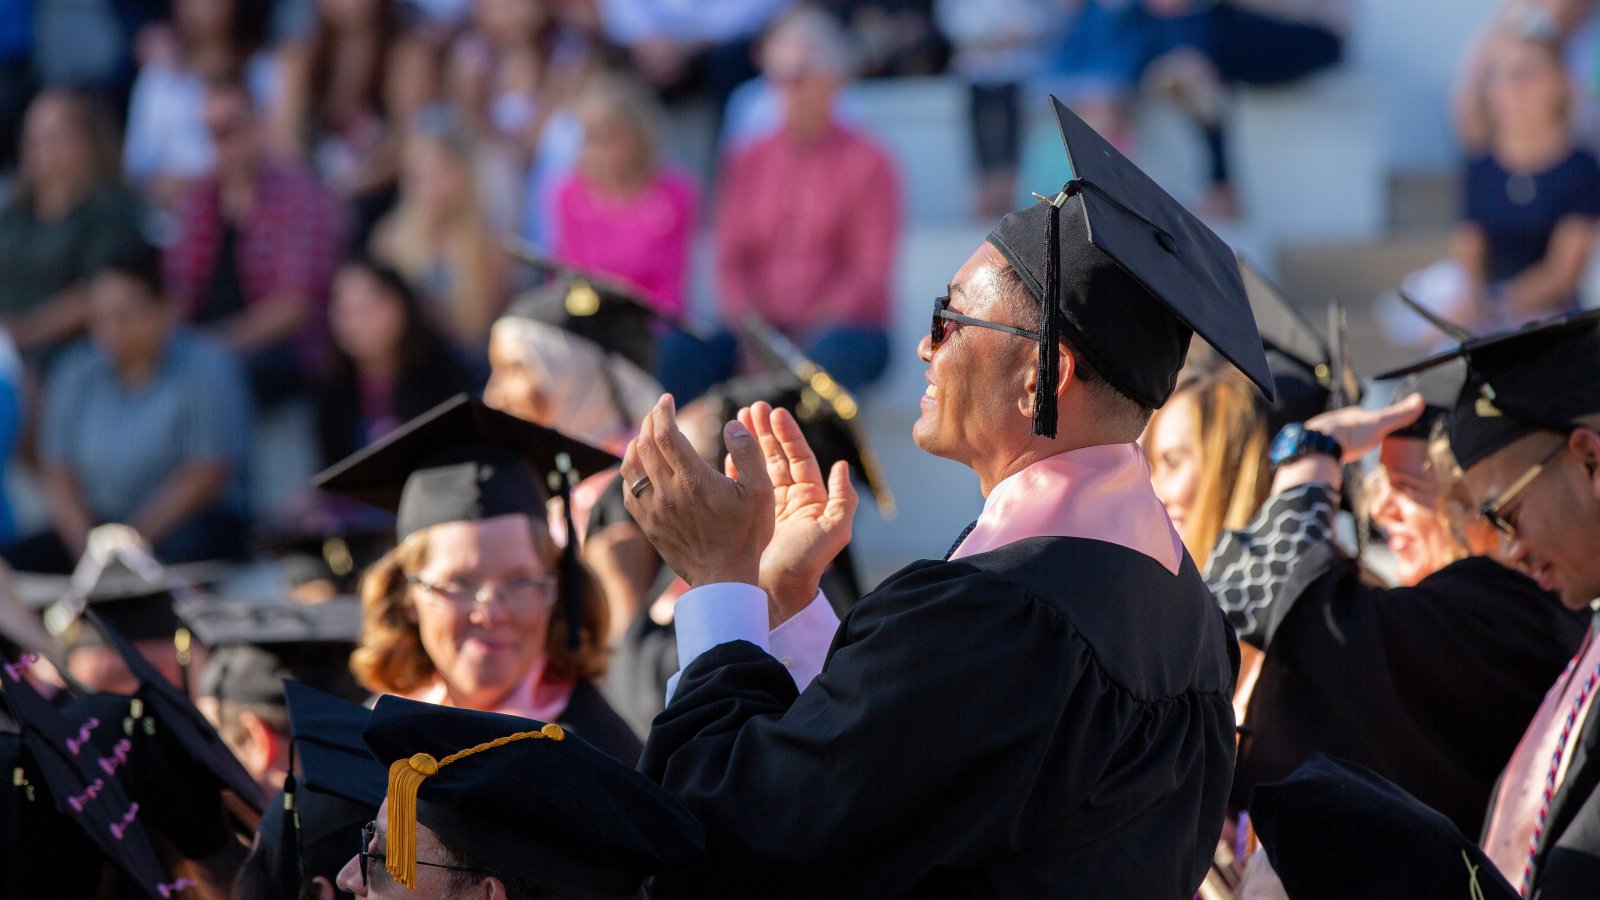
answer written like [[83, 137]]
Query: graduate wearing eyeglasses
[[477, 607], [1526, 431], [1043, 711]]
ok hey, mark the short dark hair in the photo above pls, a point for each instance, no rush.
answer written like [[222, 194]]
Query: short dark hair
[[1113, 401], [460, 882], [140, 263]]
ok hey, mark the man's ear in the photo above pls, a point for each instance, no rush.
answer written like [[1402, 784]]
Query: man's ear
[[1066, 370], [493, 889], [1585, 445], [263, 747]]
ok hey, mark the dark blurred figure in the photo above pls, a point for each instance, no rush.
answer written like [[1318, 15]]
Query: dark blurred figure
[[66, 218], [389, 364], [895, 38], [16, 74], [255, 251], [146, 425], [166, 148]]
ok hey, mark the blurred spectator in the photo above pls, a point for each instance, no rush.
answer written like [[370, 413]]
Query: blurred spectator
[[11, 396], [1189, 49], [349, 88], [624, 212], [146, 425], [1531, 200], [166, 147], [389, 364], [256, 247], [438, 237], [893, 38], [998, 47], [67, 217], [817, 266], [1574, 25], [686, 47], [16, 75]]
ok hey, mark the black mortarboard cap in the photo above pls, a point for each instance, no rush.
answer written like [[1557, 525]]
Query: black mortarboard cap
[[256, 645], [70, 768], [1337, 830], [189, 736], [1439, 387], [1299, 359], [138, 607], [545, 807], [334, 790], [1130, 276], [461, 461], [602, 310], [827, 413], [44, 853], [1544, 376]]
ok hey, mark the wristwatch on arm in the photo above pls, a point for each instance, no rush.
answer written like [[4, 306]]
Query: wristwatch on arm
[[1295, 441]]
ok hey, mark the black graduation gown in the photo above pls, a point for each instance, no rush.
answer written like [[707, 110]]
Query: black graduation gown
[[1567, 863], [591, 718], [1050, 718], [1430, 686]]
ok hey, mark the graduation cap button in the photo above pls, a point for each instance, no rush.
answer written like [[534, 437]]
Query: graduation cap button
[[1167, 242]]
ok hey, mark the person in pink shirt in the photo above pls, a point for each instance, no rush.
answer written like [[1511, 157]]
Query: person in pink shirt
[[808, 219]]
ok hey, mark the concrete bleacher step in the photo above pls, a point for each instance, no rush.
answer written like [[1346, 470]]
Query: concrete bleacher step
[[1426, 200]]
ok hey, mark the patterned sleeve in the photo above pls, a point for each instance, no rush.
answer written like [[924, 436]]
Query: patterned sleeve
[[1253, 568]]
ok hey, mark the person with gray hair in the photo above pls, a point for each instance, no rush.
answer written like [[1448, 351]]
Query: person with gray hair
[[816, 268]]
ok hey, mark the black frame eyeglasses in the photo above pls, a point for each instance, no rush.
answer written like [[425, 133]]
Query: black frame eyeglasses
[[1494, 511], [940, 332], [369, 834]]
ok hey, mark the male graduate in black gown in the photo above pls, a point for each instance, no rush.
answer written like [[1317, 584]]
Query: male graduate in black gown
[[1046, 711], [1526, 432]]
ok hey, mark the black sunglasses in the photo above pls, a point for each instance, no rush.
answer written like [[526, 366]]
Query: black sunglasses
[[370, 831], [942, 315]]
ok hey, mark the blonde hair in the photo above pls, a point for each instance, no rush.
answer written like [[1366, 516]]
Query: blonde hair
[[404, 240], [1231, 441], [624, 97], [389, 657]]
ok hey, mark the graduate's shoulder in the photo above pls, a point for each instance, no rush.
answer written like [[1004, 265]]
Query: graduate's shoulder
[[1150, 629]]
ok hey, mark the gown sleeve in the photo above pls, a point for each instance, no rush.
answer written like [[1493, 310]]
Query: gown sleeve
[[891, 736], [1257, 572]]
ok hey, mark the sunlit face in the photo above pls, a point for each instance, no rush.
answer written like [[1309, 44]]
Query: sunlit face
[[127, 323], [1175, 457], [1525, 83], [977, 377], [366, 320], [512, 388], [1405, 501], [431, 880], [1556, 516], [483, 654], [54, 149]]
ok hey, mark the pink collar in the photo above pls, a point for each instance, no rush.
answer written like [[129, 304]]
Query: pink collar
[[533, 698], [1102, 493]]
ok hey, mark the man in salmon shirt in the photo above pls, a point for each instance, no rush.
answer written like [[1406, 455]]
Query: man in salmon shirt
[[1045, 711]]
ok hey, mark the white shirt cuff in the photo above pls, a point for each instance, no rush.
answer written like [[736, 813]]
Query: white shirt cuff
[[801, 642], [719, 613]]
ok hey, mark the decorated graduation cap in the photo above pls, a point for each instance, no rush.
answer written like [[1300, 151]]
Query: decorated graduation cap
[[185, 733], [526, 800], [334, 790], [59, 765], [45, 853], [1544, 376], [1337, 830], [139, 606], [1127, 275], [465, 462], [607, 312], [256, 645], [826, 412]]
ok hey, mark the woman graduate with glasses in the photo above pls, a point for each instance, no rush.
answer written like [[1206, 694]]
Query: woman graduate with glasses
[[477, 607]]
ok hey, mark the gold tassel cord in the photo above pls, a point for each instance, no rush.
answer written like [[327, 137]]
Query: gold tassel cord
[[405, 780]]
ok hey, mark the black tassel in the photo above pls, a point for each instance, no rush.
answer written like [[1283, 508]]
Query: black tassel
[[571, 587], [1044, 397], [290, 875]]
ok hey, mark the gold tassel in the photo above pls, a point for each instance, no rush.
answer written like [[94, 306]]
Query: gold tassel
[[405, 779]]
